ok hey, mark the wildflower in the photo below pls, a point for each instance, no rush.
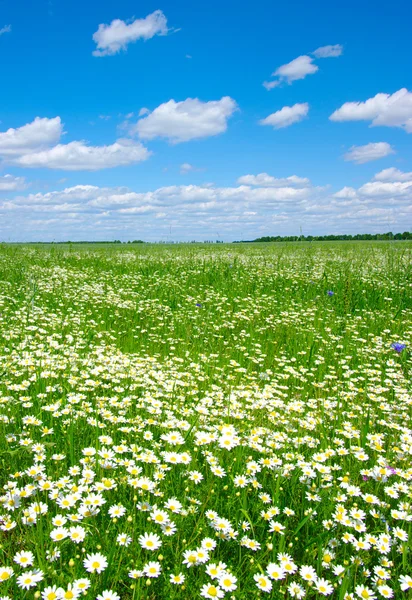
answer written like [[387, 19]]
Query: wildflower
[[29, 579], [59, 534], [77, 534], [190, 558], [52, 593], [82, 584], [108, 595], [215, 571], [95, 563], [116, 511], [330, 293], [405, 582], [263, 583], [365, 593], [276, 527], [308, 573], [398, 346], [177, 579], [323, 586], [227, 582], [6, 573], [24, 559], [296, 590], [275, 571], [72, 593], [211, 591], [123, 539], [150, 541], [152, 569], [385, 591]]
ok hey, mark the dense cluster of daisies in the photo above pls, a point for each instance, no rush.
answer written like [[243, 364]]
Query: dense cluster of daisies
[[179, 424]]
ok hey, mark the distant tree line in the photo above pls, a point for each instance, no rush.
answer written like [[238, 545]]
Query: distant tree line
[[406, 235]]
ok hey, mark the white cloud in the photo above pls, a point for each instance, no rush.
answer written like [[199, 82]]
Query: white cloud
[[296, 69], [372, 151], [34, 136], [78, 156], [269, 85], [5, 29], [386, 189], [328, 51], [393, 174], [195, 212], [265, 180], [33, 146], [286, 116], [10, 183], [186, 168], [112, 38], [346, 193], [187, 120], [390, 110]]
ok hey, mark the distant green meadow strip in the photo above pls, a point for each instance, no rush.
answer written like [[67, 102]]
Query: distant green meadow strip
[[206, 421]]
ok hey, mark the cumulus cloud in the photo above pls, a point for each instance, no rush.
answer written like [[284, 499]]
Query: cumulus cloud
[[346, 193], [393, 174], [302, 66], [389, 110], [265, 180], [5, 29], [186, 168], [385, 189], [32, 137], [78, 156], [194, 212], [372, 151], [328, 51], [296, 69], [10, 183], [35, 146], [187, 120], [110, 39], [286, 116]]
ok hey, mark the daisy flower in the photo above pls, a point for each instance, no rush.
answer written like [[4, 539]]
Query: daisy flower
[[324, 587], [108, 595], [177, 579], [364, 593], [123, 539], [24, 559], [263, 582], [405, 582], [276, 572], [209, 590], [150, 541], [29, 579], [152, 569], [227, 582], [95, 563], [6, 573]]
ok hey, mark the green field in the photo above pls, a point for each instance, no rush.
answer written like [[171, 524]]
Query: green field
[[211, 421]]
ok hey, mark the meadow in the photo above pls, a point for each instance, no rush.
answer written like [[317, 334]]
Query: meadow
[[206, 421]]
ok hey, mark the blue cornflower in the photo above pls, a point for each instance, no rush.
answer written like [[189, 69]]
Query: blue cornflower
[[198, 304], [330, 293], [398, 346]]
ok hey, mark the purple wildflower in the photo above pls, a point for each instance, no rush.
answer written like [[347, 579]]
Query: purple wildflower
[[198, 305], [398, 347], [330, 293]]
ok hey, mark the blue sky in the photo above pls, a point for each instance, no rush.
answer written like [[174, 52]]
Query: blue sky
[[214, 152]]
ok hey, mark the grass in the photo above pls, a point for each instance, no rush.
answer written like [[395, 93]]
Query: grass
[[218, 398]]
